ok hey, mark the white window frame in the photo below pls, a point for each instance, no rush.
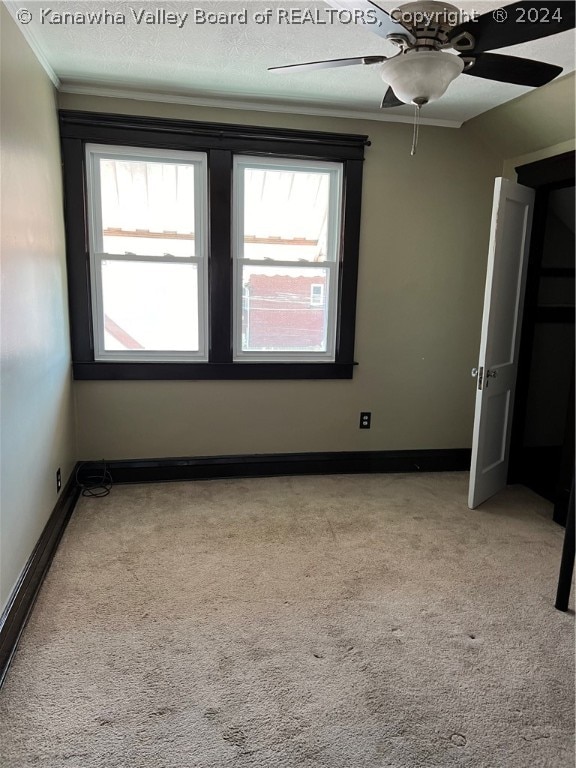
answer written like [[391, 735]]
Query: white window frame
[[331, 264], [96, 152]]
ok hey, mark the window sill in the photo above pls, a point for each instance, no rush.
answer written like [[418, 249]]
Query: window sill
[[100, 371]]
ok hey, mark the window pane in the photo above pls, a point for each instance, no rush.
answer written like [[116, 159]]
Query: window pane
[[286, 214], [281, 310], [147, 208], [150, 306]]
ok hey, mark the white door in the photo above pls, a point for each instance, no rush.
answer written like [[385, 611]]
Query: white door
[[501, 326]]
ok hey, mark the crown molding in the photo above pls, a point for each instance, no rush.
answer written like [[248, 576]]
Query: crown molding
[[28, 34], [92, 89]]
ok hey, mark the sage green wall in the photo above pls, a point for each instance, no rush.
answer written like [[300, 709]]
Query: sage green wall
[[425, 227], [37, 433], [537, 125]]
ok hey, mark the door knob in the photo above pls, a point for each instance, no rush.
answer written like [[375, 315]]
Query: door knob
[[492, 374], [474, 372]]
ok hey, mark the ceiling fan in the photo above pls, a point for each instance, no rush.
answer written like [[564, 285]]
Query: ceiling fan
[[438, 42]]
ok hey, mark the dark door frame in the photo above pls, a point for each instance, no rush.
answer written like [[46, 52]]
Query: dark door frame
[[544, 176]]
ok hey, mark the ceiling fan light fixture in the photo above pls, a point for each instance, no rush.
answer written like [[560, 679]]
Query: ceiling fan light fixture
[[419, 77]]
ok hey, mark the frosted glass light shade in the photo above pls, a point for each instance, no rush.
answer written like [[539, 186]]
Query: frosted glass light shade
[[418, 77]]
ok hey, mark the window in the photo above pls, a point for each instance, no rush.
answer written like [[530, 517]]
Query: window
[[287, 241], [146, 211], [209, 251]]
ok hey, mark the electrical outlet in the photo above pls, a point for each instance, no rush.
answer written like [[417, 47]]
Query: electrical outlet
[[365, 417], [58, 480]]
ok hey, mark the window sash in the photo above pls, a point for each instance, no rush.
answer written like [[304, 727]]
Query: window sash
[[286, 355], [331, 264], [147, 355], [95, 153]]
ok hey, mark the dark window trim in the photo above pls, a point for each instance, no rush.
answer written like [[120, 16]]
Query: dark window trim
[[221, 142], [207, 371], [154, 131]]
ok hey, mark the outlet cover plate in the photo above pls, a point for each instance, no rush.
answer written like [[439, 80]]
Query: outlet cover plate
[[365, 419]]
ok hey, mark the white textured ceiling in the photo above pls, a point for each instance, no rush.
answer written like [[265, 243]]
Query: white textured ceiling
[[228, 62]]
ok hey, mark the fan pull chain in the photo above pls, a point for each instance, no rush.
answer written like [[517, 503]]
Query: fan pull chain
[[417, 108]]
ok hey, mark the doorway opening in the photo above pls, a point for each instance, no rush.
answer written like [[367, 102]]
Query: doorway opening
[[542, 443]]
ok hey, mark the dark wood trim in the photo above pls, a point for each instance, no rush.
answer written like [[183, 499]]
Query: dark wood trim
[[17, 611], [77, 253], [350, 239], [153, 131], [552, 170], [269, 465], [220, 250], [210, 371]]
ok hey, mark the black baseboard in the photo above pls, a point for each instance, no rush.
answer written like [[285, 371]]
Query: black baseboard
[[269, 465], [17, 611]]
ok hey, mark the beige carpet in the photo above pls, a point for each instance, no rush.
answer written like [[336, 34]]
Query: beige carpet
[[355, 621]]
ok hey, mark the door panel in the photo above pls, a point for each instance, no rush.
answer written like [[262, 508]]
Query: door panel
[[500, 340], [507, 286], [497, 405]]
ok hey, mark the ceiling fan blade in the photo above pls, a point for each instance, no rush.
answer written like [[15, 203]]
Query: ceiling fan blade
[[511, 69], [390, 100], [373, 17], [517, 23], [328, 64]]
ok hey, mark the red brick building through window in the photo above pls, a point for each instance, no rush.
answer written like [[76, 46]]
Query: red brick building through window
[[284, 312]]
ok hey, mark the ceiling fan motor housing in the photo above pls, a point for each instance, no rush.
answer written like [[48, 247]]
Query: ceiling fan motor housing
[[430, 22]]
